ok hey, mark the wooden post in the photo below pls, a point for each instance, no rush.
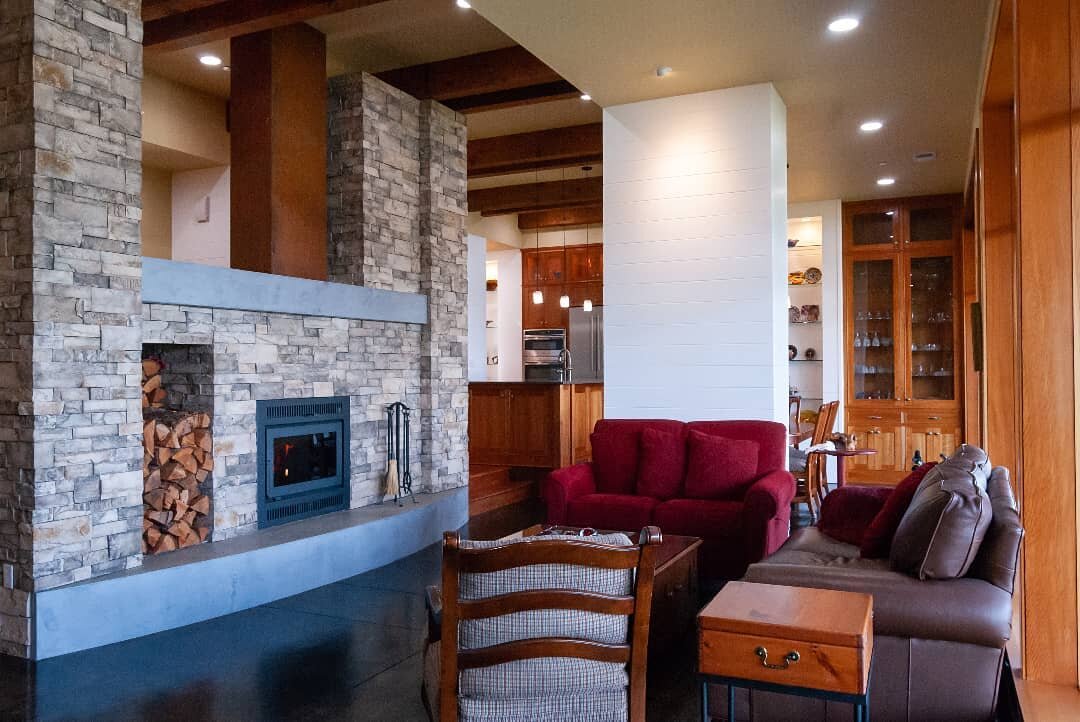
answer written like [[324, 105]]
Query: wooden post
[[278, 128]]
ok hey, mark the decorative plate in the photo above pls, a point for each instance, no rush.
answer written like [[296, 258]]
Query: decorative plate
[[796, 278], [792, 352], [813, 275]]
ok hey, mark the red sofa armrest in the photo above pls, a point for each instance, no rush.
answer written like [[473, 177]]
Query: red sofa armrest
[[563, 486], [767, 514]]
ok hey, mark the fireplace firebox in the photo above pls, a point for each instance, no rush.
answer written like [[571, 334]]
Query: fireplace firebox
[[303, 464]]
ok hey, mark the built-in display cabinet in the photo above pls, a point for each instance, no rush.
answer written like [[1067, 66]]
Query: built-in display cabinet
[[902, 309], [577, 271]]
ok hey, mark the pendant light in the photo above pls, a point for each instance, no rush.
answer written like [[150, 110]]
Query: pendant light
[[564, 299], [537, 294], [586, 305]]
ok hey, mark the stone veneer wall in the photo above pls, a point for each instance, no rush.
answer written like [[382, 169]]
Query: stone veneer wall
[[373, 179], [83, 59], [16, 328], [444, 404], [273, 356]]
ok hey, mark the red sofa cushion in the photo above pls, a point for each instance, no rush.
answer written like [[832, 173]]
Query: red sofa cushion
[[877, 540], [718, 467], [847, 512], [615, 461], [662, 464], [706, 518], [770, 436], [620, 512]]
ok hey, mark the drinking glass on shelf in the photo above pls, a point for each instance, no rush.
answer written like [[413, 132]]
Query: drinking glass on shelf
[[876, 342]]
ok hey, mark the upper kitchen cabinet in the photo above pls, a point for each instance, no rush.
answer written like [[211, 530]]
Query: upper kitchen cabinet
[[577, 271], [931, 219], [584, 263]]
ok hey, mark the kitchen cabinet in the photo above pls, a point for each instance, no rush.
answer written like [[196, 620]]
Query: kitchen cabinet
[[902, 304], [577, 271], [532, 424]]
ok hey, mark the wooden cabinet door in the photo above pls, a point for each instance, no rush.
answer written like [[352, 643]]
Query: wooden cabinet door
[[552, 266], [586, 408], [555, 316], [577, 264], [883, 432], [872, 225], [931, 433], [489, 438], [535, 424], [594, 291]]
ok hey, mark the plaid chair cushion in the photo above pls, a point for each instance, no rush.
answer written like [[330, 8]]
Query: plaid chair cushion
[[549, 688]]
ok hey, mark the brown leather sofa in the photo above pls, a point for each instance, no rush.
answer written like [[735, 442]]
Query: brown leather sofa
[[939, 645]]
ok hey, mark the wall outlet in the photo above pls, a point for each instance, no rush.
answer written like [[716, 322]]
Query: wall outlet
[[9, 576]]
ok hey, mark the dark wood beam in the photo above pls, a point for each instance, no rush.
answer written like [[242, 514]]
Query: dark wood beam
[[537, 196], [560, 218], [204, 23], [484, 81], [155, 9], [554, 148]]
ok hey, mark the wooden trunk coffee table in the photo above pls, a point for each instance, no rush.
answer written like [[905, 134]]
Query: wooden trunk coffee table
[[790, 640], [675, 584]]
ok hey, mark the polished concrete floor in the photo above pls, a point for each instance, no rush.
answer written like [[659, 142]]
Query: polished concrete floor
[[350, 650]]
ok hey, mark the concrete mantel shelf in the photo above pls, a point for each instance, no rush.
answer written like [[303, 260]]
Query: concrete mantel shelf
[[191, 284]]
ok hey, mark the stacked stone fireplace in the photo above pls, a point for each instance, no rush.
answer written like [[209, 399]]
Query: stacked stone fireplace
[[79, 313]]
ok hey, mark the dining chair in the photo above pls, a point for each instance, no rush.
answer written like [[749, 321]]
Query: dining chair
[[810, 478]]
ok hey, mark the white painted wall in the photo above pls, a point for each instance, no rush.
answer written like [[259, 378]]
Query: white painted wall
[[695, 209], [508, 321], [477, 300], [201, 242]]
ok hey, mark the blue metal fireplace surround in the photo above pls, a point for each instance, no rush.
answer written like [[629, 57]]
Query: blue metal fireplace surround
[[303, 458]]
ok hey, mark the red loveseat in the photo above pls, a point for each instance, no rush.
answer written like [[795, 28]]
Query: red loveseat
[[723, 481]]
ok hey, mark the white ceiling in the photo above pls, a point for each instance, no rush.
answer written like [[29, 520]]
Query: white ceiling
[[915, 64]]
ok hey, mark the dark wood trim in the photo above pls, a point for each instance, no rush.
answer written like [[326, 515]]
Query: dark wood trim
[[555, 551], [484, 81], [204, 23], [561, 218], [154, 9], [522, 152], [550, 195], [543, 647], [448, 653]]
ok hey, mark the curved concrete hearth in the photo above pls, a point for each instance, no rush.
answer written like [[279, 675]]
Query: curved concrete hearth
[[211, 580]]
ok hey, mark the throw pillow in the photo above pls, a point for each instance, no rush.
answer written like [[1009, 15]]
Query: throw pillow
[[942, 530], [662, 465], [718, 467], [847, 512], [879, 535], [615, 461]]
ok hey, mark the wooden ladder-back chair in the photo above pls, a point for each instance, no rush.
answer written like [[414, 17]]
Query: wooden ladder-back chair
[[455, 606], [811, 481]]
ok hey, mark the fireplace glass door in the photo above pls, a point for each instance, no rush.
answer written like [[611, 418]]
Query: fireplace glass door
[[303, 457]]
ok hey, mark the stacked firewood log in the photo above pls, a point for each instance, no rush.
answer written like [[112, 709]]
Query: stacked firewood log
[[178, 456], [153, 395]]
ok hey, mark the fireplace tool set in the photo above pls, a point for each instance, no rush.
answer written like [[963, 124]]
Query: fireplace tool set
[[398, 472]]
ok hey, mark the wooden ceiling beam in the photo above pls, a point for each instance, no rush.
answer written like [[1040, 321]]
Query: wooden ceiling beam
[[561, 218], [548, 196], [484, 81], [520, 152], [204, 23], [155, 9]]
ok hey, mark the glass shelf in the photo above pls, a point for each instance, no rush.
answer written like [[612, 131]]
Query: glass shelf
[[804, 360], [800, 285], [805, 323]]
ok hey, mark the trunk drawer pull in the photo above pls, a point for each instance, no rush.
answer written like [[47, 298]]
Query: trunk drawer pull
[[789, 659]]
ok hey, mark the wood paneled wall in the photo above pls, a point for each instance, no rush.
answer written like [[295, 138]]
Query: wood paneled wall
[[1030, 177]]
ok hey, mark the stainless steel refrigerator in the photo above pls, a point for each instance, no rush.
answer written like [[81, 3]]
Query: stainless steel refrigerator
[[587, 345]]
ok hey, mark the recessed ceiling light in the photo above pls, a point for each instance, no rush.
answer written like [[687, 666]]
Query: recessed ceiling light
[[586, 96], [871, 126], [663, 71], [463, 4], [212, 60], [843, 25], [885, 181]]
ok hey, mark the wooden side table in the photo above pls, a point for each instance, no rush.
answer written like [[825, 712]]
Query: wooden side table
[[791, 640], [841, 459]]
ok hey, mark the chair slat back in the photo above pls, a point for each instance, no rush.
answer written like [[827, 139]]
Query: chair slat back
[[823, 425]]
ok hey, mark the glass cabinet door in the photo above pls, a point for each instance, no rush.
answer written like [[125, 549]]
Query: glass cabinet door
[[873, 339], [874, 227], [931, 333], [930, 223]]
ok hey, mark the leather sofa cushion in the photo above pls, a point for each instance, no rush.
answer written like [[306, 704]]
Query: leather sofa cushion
[[611, 511], [707, 518], [941, 531], [718, 467], [1000, 550], [847, 512], [957, 610], [661, 464], [877, 540]]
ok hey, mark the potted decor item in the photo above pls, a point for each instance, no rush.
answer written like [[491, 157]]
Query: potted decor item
[[811, 312], [810, 354], [792, 352]]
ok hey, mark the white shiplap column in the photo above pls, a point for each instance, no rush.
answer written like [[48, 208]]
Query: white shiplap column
[[695, 267]]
